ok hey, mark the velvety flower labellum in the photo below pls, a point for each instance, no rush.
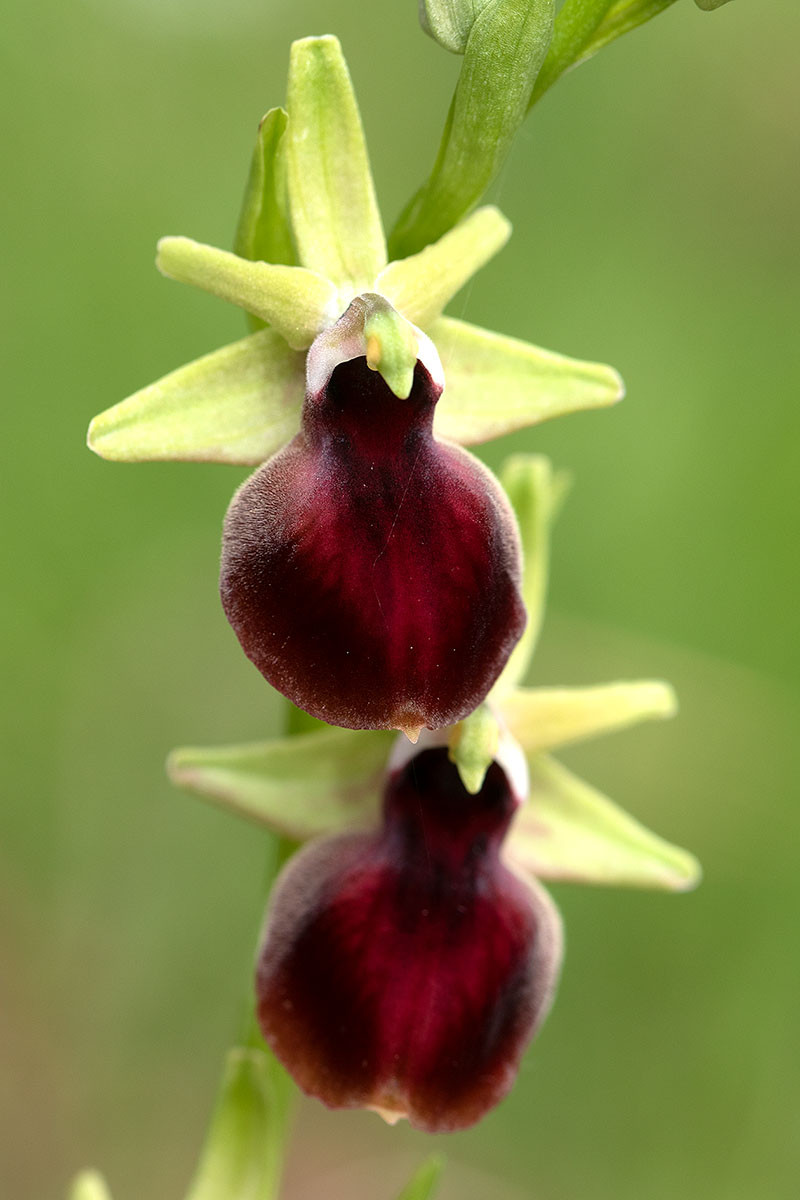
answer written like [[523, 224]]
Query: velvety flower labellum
[[406, 970], [369, 570]]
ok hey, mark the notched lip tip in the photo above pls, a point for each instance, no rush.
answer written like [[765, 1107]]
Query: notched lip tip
[[412, 732], [390, 1115]]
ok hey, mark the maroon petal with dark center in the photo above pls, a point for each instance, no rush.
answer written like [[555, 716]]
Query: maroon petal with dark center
[[407, 970], [369, 571]]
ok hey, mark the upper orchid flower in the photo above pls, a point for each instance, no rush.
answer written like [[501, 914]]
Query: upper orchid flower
[[370, 569]]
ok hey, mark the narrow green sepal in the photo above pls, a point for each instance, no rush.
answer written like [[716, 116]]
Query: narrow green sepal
[[473, 747], [497, 385], [243, 1153], [423, 284], [544, 718], [237, 405], [504, 51], [570, 831], [301, 787], [710, 5], [425, 1181], [89, 1185], [263, 232], [298, 303], [536, 493], [335, 218]]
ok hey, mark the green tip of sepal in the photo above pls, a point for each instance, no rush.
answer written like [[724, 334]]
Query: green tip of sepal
[[89, 1185], [710, 5], [334, 213], [425, 1180], [263, 231], [569, 831], [392, 349], [243, 1150], [473, 747], [309, 785]]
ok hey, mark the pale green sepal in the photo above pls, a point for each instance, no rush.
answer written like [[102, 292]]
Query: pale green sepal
[[263, 232], [448, 22], [496, 385], [243, 1152], [301, 787], [392, 348], [425, 1180], [544, 718], [710, 5], [504, 51], [335, 218], [569, 831], [473, 747], [89, 1185], [420, 286], [536, 493], [237, 405], [297, 303]]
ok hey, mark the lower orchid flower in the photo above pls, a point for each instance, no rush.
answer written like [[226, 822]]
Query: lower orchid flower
[[406, 969]]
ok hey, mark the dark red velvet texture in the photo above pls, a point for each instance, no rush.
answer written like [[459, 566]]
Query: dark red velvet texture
[[407, 970], [371, 572]]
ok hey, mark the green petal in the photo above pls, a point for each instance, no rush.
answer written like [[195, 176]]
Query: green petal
[[237, 405], [536, 493], [337, 226], [543, 718], [424, 1183], [296, 302], [570, 831], [497, 385], [420, 286], [473, 747], [89, 1185], [263, 232], [243, 1151], [301, 787]]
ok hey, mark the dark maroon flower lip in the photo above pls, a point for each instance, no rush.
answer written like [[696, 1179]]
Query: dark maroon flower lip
[[406, 970], [371, 572]]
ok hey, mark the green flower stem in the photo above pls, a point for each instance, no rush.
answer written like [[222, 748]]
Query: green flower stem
[[244, 1151]]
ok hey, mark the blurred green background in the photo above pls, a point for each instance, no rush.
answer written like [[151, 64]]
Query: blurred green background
[[654, 195]]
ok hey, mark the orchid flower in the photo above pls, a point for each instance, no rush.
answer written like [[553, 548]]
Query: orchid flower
[[371, 565]]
